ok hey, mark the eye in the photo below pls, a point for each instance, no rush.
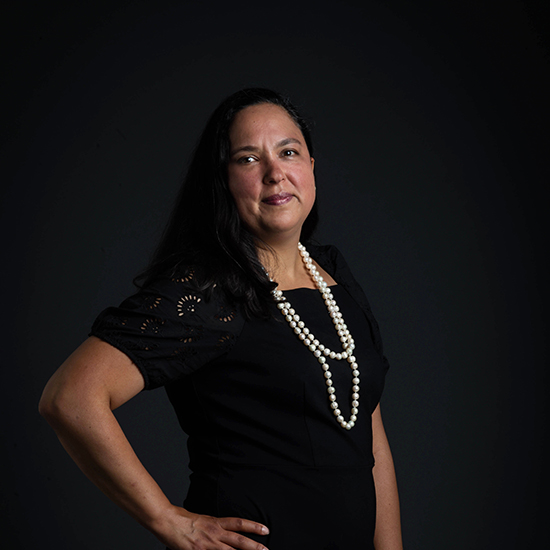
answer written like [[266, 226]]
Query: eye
[[246, 160], [289, 153]]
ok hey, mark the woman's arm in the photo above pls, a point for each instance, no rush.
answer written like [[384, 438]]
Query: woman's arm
[[78, 402], [387, 535]]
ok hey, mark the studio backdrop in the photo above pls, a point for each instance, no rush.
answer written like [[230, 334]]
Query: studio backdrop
[[427, 119]]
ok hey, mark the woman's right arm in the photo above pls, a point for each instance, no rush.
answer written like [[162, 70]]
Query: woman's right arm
[[78, 402]]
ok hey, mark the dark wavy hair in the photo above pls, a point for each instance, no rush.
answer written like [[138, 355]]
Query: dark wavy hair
[[204, 231]]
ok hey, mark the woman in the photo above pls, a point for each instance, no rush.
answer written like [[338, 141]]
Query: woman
[[282, 453]]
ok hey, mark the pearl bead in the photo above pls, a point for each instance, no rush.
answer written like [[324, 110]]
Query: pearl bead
[[320, 351]]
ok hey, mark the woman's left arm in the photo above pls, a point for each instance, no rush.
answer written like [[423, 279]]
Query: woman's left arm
[[387, 535]]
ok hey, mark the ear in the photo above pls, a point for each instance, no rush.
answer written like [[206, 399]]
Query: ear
[[312, 163]]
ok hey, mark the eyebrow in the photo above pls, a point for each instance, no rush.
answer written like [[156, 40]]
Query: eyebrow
[[252, 149]]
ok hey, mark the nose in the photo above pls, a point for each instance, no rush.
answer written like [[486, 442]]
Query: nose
[[273, 172]]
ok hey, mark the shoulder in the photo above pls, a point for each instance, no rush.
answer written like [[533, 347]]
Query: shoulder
[[331, 259], [170, 327], [181, 294], [182, 298]]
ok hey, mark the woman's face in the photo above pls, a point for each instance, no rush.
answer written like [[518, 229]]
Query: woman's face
[[270, 172]]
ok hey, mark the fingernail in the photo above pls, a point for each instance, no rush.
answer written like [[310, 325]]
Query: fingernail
[[265, 530]]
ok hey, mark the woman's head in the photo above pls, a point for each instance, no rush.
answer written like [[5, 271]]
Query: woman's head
[[205, 227], [207, 179], [270, 173]]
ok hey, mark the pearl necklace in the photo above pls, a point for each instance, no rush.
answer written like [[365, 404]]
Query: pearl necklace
[[320, 351]]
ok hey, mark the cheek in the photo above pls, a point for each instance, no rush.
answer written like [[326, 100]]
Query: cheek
[[241, 186], [244, 195], [309, 189]]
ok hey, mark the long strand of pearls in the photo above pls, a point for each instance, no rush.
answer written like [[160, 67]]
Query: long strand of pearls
[[320, 351]]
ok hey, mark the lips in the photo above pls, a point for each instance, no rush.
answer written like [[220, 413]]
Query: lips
[[277, 200]]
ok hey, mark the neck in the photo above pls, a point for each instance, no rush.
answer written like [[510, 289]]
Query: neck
[[285, 266]]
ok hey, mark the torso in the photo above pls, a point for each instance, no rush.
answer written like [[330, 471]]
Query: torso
[[263, 441]]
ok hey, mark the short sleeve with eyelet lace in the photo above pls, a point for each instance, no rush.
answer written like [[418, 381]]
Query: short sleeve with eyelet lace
[[168, 329]]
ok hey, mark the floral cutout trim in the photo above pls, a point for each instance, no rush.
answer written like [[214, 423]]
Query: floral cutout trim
[[188, 304]]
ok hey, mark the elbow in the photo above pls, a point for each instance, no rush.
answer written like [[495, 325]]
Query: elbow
[[52, 408], [44, 407], [65, 406], [59, 406]]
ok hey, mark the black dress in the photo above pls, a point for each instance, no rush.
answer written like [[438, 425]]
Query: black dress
[[263, 441]]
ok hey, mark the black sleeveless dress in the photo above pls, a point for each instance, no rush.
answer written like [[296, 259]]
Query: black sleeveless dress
[[263, 441]]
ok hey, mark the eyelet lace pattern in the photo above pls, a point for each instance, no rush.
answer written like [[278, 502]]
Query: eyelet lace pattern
[[170, 330]]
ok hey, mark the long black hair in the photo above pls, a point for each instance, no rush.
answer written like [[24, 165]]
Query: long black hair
[[204, 231]]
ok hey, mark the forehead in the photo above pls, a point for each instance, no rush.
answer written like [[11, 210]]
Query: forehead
[[261, 119]]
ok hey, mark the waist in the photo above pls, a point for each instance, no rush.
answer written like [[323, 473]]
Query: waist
[[262, 492]]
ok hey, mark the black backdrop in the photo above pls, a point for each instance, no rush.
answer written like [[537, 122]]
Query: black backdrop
[[431, 127]]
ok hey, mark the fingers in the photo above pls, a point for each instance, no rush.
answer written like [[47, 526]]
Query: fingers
[[234, 540], [233, 526], [188, 531], [243, 525]]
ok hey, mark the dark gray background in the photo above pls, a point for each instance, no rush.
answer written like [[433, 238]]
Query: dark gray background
[[431, 130]]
